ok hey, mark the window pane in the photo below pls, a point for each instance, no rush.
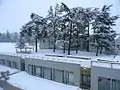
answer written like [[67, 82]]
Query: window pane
[[103, 84], [70, 78], [3, 62], [38, 71], [9, 63], [70, 75], [47, 73], [115, 84], [58, 75], [0, 61], [85, 80], [13, 64], [30, 68]]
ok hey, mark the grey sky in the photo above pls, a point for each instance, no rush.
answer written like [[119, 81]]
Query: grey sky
[[14, 13]]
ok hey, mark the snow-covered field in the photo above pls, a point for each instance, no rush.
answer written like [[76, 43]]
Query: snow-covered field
[[7, 47]]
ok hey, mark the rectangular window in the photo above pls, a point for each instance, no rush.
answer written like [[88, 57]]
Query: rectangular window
[[85, 80], [3, 62], [103, 83], [47, 73], [38, 71], [115, 84], [0, 61], [9, 63], [14, 64], [58, 75], [70, 78], [30, 69]]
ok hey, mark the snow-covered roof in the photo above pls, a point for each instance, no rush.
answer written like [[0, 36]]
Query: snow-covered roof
[[4, 69], [1, 88], [27, 82], [41, 54]]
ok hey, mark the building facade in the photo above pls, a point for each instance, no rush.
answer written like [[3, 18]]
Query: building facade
[[105, 78], [100, 75]]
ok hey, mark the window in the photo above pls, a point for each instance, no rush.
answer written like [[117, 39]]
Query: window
[[38, 71], [30, 69], [103, 84], [58, 75], [70, 77], [115, 84], [3, 62], [22, 66], [0, 61], [85, 80], [14, 64], [9, 63], [47, 73]]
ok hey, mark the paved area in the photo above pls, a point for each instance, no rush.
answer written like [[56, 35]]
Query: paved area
[[7, 86]]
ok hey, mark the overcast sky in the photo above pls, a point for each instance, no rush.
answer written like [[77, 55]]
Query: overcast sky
[[15, 13]]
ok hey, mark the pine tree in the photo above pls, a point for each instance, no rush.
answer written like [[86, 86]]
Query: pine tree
[[8, 35], [53, 18], [21, 41], [104, 34]]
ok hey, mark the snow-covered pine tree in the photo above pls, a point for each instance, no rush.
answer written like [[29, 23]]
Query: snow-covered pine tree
[[38, 27], [103, 34], [21, 41], [53, 19]]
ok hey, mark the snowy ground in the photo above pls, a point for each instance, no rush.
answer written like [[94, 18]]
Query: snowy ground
[[28, 82], [7, 47]]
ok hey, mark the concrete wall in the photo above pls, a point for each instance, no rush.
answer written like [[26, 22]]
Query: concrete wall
[[103, 72], [75, 68]]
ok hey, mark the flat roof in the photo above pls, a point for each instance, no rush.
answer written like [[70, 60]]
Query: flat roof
[[41, 54], [28, 82], [5, 68]]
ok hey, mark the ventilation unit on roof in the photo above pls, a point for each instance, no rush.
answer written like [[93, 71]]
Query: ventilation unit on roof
[[55, 55], [103, 60], [77, 57]]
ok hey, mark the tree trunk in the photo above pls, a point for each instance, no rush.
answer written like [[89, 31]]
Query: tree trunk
[[48, 43], [70, 36], [101, 50], [64, 43], [54, 38], [35, 43], [88, 38], [77, 43], [29, 41], [97, 51]]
